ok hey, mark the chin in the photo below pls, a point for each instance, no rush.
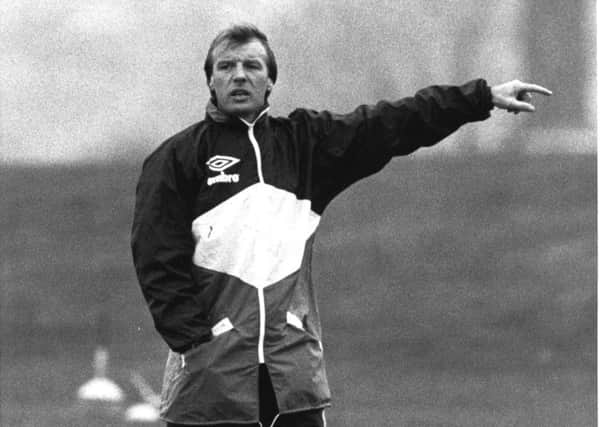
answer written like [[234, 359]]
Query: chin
[[240, 111]]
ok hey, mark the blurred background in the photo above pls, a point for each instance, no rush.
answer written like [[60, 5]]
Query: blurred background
[[457, 286]]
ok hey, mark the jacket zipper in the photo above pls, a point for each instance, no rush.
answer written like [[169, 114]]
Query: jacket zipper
[[261, 305]]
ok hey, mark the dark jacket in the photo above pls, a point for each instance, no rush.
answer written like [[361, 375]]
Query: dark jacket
[[222, 238]]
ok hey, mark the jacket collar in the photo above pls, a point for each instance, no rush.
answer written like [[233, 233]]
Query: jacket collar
[[214, 113]]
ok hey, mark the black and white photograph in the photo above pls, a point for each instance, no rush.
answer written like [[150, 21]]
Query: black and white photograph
[[298, 213]]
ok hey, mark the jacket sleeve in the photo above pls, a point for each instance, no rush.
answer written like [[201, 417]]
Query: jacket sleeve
[[162, 248], [351, 146]]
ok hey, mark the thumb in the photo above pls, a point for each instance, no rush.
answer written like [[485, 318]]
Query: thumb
[[516, 105]]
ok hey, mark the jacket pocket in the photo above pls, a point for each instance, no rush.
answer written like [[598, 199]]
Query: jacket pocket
[[198, 357], [222, 327], [293, 320]]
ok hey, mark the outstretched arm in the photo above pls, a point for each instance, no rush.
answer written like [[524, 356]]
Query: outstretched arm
[[515, 96], [348, 147]]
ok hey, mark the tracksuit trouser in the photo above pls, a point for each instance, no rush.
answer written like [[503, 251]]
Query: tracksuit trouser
[[269, 412]]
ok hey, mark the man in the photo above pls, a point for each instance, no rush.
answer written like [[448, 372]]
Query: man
[[224, 223]]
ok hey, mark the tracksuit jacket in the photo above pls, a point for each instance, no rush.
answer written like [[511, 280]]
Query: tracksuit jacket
[[224, 223]]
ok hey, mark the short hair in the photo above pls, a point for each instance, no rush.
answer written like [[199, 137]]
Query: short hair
[[237, 35]]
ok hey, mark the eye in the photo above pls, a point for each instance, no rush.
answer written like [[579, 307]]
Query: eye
[[224, 65], [254, 65]]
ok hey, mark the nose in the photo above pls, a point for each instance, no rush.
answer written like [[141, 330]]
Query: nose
[[239, 72]]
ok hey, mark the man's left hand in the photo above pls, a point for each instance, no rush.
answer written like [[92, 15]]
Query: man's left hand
[[515, 96]]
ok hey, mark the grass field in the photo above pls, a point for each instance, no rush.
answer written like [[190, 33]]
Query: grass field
[[454, 292]]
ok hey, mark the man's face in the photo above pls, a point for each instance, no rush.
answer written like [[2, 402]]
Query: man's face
[[240, 78]]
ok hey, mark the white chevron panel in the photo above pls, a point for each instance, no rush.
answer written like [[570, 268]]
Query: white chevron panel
[[258, 235]]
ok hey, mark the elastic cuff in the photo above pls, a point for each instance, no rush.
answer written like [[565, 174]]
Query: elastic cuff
[[183, 349], [486, 97]]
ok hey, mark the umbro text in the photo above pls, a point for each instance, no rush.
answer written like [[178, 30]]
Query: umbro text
[[232, 178]]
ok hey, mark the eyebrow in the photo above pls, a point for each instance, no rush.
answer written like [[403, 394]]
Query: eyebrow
[[238, 58], [250, 61]]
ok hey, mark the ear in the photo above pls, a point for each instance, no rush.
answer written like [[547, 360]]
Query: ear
[[269, 86], [211, 83]]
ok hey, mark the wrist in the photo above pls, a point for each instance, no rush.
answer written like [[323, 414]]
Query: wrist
[[496, 97]]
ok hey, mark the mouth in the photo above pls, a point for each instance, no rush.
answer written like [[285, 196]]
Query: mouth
[[239, 93]]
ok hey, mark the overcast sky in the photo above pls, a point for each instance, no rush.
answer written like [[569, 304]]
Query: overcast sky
[[98, 79]]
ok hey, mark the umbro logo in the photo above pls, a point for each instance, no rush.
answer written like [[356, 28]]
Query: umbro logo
[[220, 164]]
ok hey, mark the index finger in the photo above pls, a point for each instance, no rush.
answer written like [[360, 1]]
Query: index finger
[[530, 87]]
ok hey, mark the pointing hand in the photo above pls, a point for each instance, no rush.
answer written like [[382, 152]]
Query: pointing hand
[[515, 96]]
